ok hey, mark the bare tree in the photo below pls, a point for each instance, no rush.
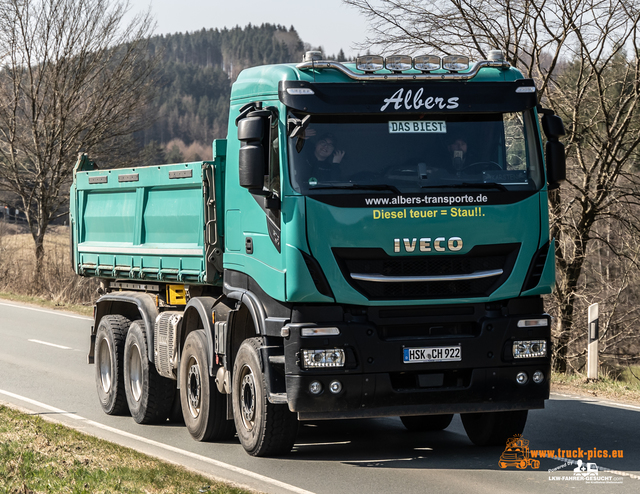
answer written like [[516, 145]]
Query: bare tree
[[74, 76], [583, 55]]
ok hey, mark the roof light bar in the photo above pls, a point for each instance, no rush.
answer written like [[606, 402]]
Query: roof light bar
[[457, 67]]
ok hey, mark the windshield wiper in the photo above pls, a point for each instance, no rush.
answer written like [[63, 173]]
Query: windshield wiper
[[357, 187], [466, 185]]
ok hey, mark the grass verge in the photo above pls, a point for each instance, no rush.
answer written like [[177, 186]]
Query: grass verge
[[626, 388], [84, 310], [40, 456]]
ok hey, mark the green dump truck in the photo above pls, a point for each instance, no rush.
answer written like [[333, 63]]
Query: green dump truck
[[371, 240]]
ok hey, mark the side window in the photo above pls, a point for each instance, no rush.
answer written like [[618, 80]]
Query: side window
[[274, 157], [515, 144]]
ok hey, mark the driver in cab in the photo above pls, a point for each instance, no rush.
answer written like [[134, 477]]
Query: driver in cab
[[457, 155]]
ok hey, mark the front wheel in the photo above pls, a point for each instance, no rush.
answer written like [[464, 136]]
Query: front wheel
[[203, 406], [149, 395], [264, 429], [493, 428], [424, 423]]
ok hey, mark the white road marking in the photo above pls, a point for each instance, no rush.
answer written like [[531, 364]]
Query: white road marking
[[211, 461], [50, 344], [48, 311], [595, 401]]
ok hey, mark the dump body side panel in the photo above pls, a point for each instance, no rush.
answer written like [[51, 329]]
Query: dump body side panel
[[144, 223]]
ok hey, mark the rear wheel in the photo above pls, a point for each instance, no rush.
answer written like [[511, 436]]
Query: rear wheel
[[493, 428], [149, 395], [423, 423], [109, 358], [264, 429], [203, 406]]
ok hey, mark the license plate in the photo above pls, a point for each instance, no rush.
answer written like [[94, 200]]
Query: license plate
[[432, 354]]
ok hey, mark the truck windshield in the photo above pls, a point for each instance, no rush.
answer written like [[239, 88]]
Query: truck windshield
[[413, 153]]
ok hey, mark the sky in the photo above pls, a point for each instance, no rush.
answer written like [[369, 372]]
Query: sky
[[326, 23]]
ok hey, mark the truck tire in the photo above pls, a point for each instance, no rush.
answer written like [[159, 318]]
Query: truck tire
[[109, 358], [149, 395], [493, 428], [175, 414], [204, 408], [424, 423], [264, 429]]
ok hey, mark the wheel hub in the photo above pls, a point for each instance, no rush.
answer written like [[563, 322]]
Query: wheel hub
[[193, 389], [248, 400]]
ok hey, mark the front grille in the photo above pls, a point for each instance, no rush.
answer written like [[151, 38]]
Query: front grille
[[376, 261]]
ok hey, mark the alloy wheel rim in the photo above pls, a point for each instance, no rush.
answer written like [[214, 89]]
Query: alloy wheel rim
[[194, 384], [105, 364], [135, 373], [247, 398]]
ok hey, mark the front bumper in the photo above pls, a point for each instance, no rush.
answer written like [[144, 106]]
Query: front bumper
[[376, 382]]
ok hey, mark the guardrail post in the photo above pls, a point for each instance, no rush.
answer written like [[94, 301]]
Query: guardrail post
[[592, 345]]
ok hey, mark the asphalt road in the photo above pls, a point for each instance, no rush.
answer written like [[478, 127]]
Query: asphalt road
[[43, 369]]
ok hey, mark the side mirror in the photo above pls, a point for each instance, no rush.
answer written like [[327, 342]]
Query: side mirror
[[251, 166], [552, 126], [251, 129], [252, 160], [554, 151], [556, 163]]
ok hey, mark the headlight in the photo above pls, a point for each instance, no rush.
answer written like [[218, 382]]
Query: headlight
[[529, 348], [333, 357]]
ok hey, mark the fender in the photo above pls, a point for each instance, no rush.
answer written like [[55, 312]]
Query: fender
[[252, 302], [135, 305], [199, 309]]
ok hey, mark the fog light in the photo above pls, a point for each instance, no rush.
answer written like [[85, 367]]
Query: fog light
[[335, 387], [538, 377], [315, 388], [332, 357], [522, 378], [529, 348]]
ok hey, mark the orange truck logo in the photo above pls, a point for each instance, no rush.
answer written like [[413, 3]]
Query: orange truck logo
[[517, 454]]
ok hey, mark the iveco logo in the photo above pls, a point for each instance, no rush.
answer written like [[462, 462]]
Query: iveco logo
[[425, 244]]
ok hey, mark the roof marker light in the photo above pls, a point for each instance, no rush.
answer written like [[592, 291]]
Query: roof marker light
[[312, 56], [299, 91]]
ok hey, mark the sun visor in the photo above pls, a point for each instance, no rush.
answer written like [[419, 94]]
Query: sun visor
[[409, 97]]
